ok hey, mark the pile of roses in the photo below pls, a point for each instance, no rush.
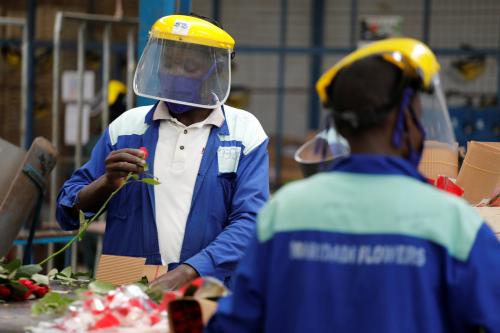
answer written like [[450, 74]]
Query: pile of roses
[[19, 283]]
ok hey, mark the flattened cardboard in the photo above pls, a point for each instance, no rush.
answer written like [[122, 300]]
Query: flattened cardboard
[[152, 272], [492, 146], [480, 172], [120, 270], [439, 159]]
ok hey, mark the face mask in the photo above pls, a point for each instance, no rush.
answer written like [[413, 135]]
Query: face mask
[[401, 128], [178, 108], [184, 88]]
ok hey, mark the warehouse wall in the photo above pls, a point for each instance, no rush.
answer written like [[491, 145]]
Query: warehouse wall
[[453, 23], [10, 73]]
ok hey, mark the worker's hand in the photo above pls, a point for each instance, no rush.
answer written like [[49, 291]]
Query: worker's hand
[[176, 278], [120, 162]]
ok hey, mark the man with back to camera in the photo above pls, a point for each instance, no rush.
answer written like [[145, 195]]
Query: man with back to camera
[[369, 246], [211, 159]]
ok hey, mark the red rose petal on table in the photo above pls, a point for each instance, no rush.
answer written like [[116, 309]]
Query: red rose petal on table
[[136, 304], [108, 320], [123, 311], [155, 319], [40, 291]]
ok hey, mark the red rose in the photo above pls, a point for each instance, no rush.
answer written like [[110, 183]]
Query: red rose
[[4, 292], [22, 297], [27, 283], [40, 290], [145, 151]]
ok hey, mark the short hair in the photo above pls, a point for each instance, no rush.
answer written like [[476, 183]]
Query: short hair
[[364, 93]]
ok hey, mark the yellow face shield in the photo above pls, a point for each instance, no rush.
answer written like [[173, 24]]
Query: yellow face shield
[[186, 61], [184, 73], [416, 61]]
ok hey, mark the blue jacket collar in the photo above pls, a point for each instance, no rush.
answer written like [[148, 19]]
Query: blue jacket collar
[[223, 130], [377, 165], [149, 116]]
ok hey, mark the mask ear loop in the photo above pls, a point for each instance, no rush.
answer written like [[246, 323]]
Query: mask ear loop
[[401, 127], [415, 155], [321, 146]]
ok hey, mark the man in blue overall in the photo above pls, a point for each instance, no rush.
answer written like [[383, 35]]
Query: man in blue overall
[[211, 160], [369, 246]]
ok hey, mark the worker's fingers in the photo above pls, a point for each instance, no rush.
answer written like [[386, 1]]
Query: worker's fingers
[[113, 175], [117, 157], [131, 151], [123, 166]]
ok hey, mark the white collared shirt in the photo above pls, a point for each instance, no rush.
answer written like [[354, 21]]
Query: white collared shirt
[[177, 160]]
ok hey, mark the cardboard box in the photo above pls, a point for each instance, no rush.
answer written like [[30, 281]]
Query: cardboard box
[[479, 175], [439, 159], [120, 270]]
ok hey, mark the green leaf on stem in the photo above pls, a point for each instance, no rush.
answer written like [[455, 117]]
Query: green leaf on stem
[[40, 279], [135, 176], [100, 287], [150, 181], [12, 275], [13, 265], [66, 272], [52, 303], [64, 278], [52, 272], [27, 271]]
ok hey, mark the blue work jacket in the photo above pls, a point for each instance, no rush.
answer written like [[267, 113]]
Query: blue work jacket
[[369, 247], [231, 186]]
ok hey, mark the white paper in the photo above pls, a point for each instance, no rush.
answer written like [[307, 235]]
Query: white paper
[[70, 86], [228, 158], [71, 124]]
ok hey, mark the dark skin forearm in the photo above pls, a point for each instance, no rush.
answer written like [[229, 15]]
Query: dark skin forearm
[[176, 278], [93, 196], [118, 164]]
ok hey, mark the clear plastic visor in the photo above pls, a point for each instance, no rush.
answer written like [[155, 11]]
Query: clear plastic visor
[[318, 153], [434, 116], [183, 73]]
